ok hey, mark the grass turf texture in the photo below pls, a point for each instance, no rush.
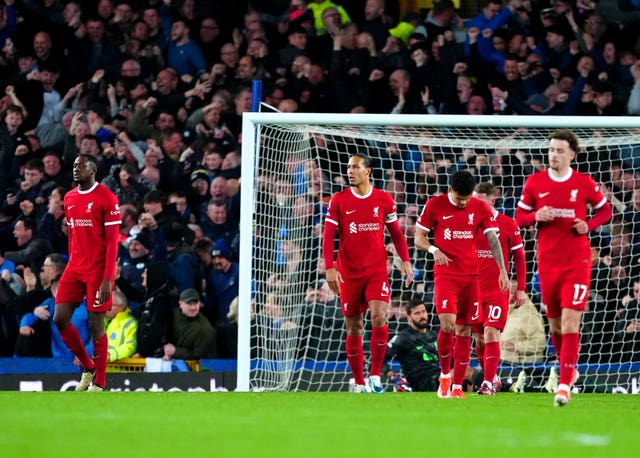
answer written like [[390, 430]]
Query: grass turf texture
[[137, 424]]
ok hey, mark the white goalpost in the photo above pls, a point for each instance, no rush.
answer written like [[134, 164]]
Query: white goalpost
[[291, 333]]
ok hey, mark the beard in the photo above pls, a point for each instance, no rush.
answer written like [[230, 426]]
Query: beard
[[423, 324]]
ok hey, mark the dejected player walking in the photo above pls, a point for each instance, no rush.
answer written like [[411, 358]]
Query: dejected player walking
[[93, 219], [494, 302], [457, 220], [359, 215], [557, 201]]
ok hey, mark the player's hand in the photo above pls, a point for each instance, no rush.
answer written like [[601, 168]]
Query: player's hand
[[580, 226], [441, 258], [504, 281], [407, 273], [545, 214], [104, 292], [334, 279], [518, 298]]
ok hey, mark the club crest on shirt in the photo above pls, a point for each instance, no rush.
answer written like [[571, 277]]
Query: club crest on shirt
[[375, 211], [89, 207], [574, 195], [471, 219]]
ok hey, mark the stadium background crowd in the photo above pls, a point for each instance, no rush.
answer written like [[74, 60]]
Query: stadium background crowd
[[155, 90]]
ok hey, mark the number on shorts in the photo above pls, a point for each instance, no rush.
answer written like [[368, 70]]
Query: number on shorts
[[495, 312], [385, 288], [579, 293]]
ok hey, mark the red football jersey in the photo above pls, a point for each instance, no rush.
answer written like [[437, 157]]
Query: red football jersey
[[510, 240], [88, 212], [361, 221], [558, 243], [456, 231]]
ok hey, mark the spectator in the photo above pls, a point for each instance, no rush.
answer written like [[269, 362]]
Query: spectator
[[158, 300], [32, 250], [192, 336], [222, 282], [184, 54], [122, 329]]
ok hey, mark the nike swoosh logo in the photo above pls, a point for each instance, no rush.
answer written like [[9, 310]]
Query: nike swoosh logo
[[349, 212], [419, 347], [576, 302], [70, 207], [447, 217], [543, 194]]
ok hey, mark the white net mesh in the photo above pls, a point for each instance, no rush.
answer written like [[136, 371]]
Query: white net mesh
[[297, 332]]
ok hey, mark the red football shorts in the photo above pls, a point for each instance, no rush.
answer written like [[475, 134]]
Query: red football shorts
[[74, 286], [459, 295], [356, 293], [495, 309], [566, 288]]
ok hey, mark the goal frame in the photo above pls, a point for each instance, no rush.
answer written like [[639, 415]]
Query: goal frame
[[250, 135]]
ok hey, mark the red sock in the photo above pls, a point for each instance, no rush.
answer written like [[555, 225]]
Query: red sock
[[445, 345], [557, 344], [461, 356], [569, 358], [72, 340], [480, 355], [355, 356], [491, 360], [379, 338], [100, 356]]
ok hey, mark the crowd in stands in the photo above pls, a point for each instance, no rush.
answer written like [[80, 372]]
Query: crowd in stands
[[156, 89]]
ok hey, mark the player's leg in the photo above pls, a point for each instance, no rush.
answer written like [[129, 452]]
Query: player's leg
[[100, 347], [491, 360], [461, 357], [469, 313], [96, 318], [445, 300], [477, 331], [70, 293], [354, 348], [379, 337], [495, 311], [574, 295]]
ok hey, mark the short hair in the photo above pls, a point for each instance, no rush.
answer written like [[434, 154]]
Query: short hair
[[29, 224], [366, 160], [35, 164], [91, 159], [155, 196], [463, 182], [15, 109], [567, 135], [413, 303], [58, 261], [486, 187], [120, 298], [204, 245]]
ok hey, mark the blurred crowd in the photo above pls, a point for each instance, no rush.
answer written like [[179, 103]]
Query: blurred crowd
[[156, 89]]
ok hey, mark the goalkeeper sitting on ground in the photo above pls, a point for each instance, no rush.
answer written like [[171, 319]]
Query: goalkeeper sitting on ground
[[416, 350]]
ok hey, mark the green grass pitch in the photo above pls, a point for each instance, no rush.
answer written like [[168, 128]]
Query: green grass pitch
[[185, 425]]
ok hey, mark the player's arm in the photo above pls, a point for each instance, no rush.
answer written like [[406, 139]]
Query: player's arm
[[601, 216], [333, 276], [420, 240], [403, 251], [111, 242], [520, 265], [496, 251]]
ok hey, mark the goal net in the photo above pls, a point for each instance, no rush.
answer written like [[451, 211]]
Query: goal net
[[291, 330]]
